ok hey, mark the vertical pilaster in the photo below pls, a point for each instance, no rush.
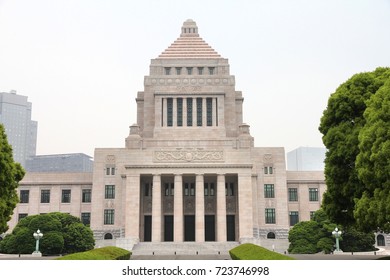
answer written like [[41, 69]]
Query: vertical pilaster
[[178, 229], [132, 206], [184, 111], [199, 208], [245, 211], [164, 112], [156, 209], [204, 112], [194, 110], [158, 112], [174, 112], [214, 111], [221, 208]]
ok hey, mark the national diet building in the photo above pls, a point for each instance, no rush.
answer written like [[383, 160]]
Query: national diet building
[[188, 170]]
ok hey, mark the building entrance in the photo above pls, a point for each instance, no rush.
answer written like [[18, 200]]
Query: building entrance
[[147, 228], [231, 228], [168, 228], [189, 228], [209, 228]]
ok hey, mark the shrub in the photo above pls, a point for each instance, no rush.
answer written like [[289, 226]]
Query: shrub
[[105, 253], [250, 251]]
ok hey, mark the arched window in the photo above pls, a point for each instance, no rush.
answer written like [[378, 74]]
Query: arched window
[[271, 235], [380, 240], [108, 236]]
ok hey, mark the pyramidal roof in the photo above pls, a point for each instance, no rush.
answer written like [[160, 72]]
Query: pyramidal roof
[[189, 44]]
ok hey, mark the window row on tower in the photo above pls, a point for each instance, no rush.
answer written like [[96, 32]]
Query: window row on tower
[[189, 70]]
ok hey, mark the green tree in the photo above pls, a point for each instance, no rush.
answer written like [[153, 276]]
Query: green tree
[[10, 174], [62, 233], [341, 124]]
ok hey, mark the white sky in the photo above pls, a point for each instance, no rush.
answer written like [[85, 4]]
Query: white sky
[[81, 62]]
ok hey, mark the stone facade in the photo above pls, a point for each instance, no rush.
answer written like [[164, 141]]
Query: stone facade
[[189, 171]]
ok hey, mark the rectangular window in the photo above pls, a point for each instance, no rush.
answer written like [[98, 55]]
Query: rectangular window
[[199, 109], [292, 194], [189, 70], [110, 170], [179, 111], [209, 189], [294, 218], [21, 216], [269, 191], [189, 189], [109, 215], [209, 111], [270, 216], [24, 196], [312, 215], [169, 111], [229, 189], [189, 111], [200, 70], [45, 196], [313, 194], [147, 190], [178, 70], [169, 189], [167, 70], [86, 218], [268, 170], [211, 70], [86, 195], [109, 192], [65, 197]]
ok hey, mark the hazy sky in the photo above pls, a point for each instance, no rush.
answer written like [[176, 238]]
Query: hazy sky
[[81, 62]]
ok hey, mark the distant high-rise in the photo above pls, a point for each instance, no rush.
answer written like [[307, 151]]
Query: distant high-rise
[[15, 115], [306, 159]]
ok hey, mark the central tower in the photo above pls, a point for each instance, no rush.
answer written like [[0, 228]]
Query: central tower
[[189, 94]]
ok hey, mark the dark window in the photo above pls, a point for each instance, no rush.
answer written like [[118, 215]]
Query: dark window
[[209, 111], [294, 217], [268, 170], [312, 213], [108, 236], [86, 195], [110, 170], [45, 196], [169, 111], [211, 70], [229, 189], [109, 192], [21, 216], [178, 70], [270, 216], [209, 189], [86, 218], [147, 189], [109, 215], [24, 196], [200, 70], [65, 198], [292, 194], [199, 116], [179, 111], [189, 189], [189, 111], [169, 189], [271, 235], [189, 70], [269, 191], [167, 70], [313, 194]]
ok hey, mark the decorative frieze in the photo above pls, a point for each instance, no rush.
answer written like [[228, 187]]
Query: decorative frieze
[[189, 156]]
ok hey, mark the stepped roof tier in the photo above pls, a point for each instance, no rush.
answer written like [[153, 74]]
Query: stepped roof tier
[[189, 45]]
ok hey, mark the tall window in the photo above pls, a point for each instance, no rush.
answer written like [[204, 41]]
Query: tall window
[[268, 170], [167, 70], [109, 215], [86, 195], [86, 218], [200, 70], [211, 70], [147, 189], [169, 189], [229, 189], [109, 192], [178, 70], [294, 217], [209, 111], [292, 194], [24, 196], [209, 189], [65, 198], [313, 194], [21, 216], [189, 189], [179, 111], [45, 196], [269, 191], [199, 109], [189, 111], [189, 70], [270, 216], [169, 111], [312, 213]]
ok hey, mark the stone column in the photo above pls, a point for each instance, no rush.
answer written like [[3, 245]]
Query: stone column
[[221, 208], [174, 112], [204, 112], [184, 112], [132, 206], [214, 111], [164, 112], [199, 208], [245, 211], [156, 209], [178, 215], [194, 109], [158, 112]]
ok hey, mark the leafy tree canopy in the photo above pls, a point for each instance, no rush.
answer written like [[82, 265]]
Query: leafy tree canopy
[[355, 125], [10, 174]]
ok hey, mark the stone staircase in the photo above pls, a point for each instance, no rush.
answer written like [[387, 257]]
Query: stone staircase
[[183, 249]]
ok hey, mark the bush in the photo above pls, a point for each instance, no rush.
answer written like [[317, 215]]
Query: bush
[[105, 253], [250, 251], [52, 244]]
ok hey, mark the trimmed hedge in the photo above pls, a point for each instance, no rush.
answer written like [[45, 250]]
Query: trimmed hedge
[[250, 251], [105, 253]]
